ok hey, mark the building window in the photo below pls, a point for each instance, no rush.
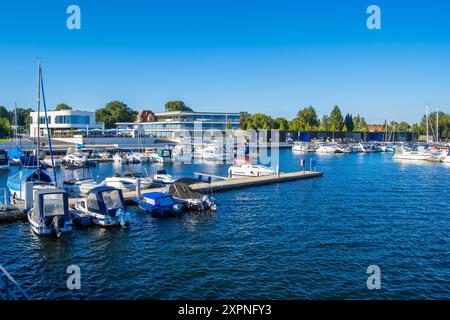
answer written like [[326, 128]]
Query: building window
[[72, 119]]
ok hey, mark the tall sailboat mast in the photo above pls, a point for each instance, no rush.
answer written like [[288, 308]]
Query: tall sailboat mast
[[426, 117], [39, 110], [437, 125]]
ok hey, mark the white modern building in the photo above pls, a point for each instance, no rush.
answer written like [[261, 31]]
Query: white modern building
[[64, 122], [167, 124]]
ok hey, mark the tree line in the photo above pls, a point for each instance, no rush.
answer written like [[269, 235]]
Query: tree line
[[306, 119]]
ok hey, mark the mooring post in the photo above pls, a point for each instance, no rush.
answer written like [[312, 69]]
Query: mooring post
[[138, 188], [277, 168]]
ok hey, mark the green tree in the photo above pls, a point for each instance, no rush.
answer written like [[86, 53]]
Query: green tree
[[360, 124], [305, 120], [229, 126], [348, 123], [62, 106], [403, 127], [5, 127], [244, 120], [281, 124], [260, 121], [444, 125], [336, 120], [4, 113], [113, 112], [176, 105]]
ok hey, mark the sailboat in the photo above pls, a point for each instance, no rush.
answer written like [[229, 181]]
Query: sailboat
[[34, 174]]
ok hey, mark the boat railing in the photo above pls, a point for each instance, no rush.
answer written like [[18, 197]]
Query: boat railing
[[9, 288]]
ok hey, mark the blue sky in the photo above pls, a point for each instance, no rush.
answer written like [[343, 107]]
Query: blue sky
[[231, 55]]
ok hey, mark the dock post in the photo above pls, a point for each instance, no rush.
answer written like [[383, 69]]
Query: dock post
[[29, 195], [278, 171], [138, 188]]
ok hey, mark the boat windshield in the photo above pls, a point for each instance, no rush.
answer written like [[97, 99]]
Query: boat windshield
[[78, 174], [112, 199], [53, 204]]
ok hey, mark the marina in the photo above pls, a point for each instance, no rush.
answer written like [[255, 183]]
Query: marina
[[276, 233]]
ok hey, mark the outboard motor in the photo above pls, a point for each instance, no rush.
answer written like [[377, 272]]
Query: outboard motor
[[123, 218], [177, 208], [209, 202], [56, 225]]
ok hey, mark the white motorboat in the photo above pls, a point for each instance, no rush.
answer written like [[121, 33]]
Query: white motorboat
[[78, 180], [411, 153], [128, 180], [57, 161], [368, 147], [327, 148], [126, 158], [75, 156], [214, 152], [301, 146], [162, 177], [250, 170], [106, 207], [50, 213]]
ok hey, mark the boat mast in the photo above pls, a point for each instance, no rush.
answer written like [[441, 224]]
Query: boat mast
[[15, 119], [437, 125], [426, 117], [38, 109]]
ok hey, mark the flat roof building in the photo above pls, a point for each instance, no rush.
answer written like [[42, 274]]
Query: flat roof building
[[63, 122], [167, 124]]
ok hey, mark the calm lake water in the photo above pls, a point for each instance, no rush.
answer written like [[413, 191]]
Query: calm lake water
[[311, 239]]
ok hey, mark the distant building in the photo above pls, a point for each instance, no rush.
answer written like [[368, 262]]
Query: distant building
[[167, 124], [376, 128], [63, 122]]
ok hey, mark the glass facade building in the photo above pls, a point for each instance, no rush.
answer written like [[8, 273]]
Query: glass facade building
[[171, 124]]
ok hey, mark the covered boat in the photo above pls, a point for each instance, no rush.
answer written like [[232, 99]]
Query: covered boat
[[159, 204], [106, 207], [194, 200], [50, 213], [78, 180], [16, 183]]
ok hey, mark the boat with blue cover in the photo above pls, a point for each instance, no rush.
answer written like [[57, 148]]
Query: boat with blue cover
[[159, 204], [16, 183], [50, 213], [106, 207]]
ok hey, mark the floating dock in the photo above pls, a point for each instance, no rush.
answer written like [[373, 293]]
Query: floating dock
[[227, 184]]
